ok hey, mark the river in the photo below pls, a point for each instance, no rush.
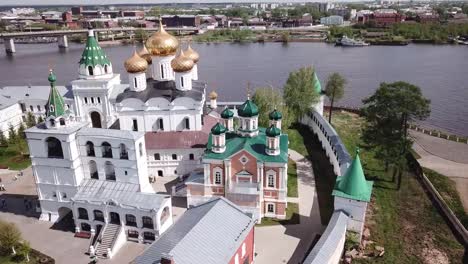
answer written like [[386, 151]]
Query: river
[[440, 71]]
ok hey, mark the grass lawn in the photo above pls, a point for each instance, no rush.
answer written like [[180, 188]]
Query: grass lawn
[[292, 217], [446, 187], [292, 179], [401, 218], [11, 158]]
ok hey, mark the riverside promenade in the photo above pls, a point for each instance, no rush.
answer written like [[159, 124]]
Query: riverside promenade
[[446, 157]]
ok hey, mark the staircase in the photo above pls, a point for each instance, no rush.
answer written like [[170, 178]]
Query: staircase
[[107, 240]]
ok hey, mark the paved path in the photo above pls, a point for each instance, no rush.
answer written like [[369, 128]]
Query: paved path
[[290, 244], [445, 157]]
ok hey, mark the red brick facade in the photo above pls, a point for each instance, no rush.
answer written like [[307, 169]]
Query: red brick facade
[[249, 250]]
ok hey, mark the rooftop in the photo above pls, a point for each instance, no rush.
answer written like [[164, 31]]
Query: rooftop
[[195, 237], [110, 133], [10, 95]]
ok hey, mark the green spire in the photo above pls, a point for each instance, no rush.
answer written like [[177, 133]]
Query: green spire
[[248, 109], [273, 131], [93, 54], [353, 184], [227, 113], [55, 105], [275, 115], [218, 129], [317, 85]]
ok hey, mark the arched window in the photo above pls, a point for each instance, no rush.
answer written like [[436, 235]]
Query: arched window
[[106, 150], [135, 82], [93, 170], [157, 156], [191, 156], [106, 69], [92, 100], [160, 124], [82, 213], [123, 152], [38, 108], [162, 71], [164, 215], [135, 125], [174, 156], [90, 70], [86, 100], [130, 220], [182, 81], [271, 181], [62, 121], [98, 215], [51, 108], [109, 170], [186, 123], [147, 222], [32, 108], [54, 148], [90, 149], [85, 227], [140, 147], [52, 122], [218, 178]]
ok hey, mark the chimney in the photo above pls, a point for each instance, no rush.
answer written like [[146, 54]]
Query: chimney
[[167, 259]]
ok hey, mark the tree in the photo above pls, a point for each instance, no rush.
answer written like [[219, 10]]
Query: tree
[[10, 236], [267, 99], [299, 93], [387, 113], [40, 120], [30, 120], [21, 129], [3, 139], [334, 90], [11, 134]]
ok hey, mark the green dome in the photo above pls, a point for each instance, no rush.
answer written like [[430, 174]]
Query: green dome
[[248, 109], [227, 113], [52, 78], [273, 131], [275, 115], [93, 54], [218, 129]]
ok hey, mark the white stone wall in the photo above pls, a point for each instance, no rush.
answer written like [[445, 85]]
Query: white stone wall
[[137, 81], [183, 164], [164, 64], [10, 115], [356, 211]]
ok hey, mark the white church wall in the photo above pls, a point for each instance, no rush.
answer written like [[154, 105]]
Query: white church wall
[[356, 211], [169, 166]]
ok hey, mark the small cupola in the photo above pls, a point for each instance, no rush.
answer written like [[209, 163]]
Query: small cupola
[[213, 99], [57, 113], [218, 138], [228, 118], [182, 67], [94, 63], [275, 117], [272, 140], [136, 67], [193, 55], [144, 53], [248, 119]]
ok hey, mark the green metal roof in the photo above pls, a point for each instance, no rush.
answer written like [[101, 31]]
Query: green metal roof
[[227, 113], [218, 129], [273, 131], [254, 145], [353, 185], [55, 104], [275, 115], [93, 54], [317, 85], [248, 109]]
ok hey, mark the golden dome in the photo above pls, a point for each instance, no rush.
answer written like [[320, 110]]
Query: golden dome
[[162, 43], [144, 53], [192, 54], [181, 63], [135, 64], [213, 95]]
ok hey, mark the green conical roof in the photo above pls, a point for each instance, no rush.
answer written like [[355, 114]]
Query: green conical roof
[[248, 109], [227, 113], [273, 131], [218, 129], [275, 115], [317, 85], [93, 54], [353, 185], [55, 104]]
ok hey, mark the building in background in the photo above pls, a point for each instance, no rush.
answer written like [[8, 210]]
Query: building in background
[[332, 21]]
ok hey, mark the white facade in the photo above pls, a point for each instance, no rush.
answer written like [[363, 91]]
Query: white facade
[[332, 20], [356, 210], [161, 68]]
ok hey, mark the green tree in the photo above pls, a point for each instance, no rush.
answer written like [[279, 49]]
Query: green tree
[[30, 120], [10, 236], [334, 90], [387, 113], [11, 134], [40, 120], [267, 99], [21, 129], [3, 139], [299, 93]]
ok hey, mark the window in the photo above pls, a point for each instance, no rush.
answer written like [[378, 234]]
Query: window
[[174, 156], [106, 69], [106, 150], [123, 152], [147, 222], [126, 173], [62, 121], [98, 215], [271, 181], [32, 108], [132, 233], [82, 213], [148, 236], [54, 148], [92, 100], [51, 108], [161, 124], [243, 249], [236, 259], [182, 81], [218, 178], [64, 196], [157, 156], [162, 71], [85, 227], [86, 100], [99, 100], [186, 123], [130, 220], [93, 173], [52, 122], [54, 195], [135, 83], [90, 149], [140, 147], [160, 173], [135, 125], [270, 208], [191, 156], [109, 170], [90, 70]]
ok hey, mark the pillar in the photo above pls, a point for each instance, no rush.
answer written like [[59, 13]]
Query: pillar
[[96, 36], [63, 41], [10, 46]]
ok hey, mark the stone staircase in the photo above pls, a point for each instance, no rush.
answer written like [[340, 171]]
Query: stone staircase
[[107, 240]]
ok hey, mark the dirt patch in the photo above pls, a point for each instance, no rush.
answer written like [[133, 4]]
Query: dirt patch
[[432, 255]]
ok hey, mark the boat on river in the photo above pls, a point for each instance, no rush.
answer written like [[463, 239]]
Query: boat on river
[[350, 42]]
